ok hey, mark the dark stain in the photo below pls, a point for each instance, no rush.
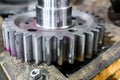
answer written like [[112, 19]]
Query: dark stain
[[114, 17]]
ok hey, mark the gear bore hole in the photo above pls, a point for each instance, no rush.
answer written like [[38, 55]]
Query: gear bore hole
[[34, 72], [32, 30], [73, 18], [81, 23], [26, 23], [72, 30]]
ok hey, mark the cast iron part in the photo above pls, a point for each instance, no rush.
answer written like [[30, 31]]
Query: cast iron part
[[55, 34], [116, 5]]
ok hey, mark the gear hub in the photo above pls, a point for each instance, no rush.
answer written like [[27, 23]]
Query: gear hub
[[54, 33]]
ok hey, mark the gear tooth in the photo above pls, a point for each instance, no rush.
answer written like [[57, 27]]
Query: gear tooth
[[19, 45], [65, 47], [43, 47], [6, 38], [96, 40], [76, 43], [47, 49], [3, 35], [89, 44], [28, 49], [4, 30], [60, 45], [71, 50], [12, 42], [37, 49], [79, 47], [68, 48], [101, 36], [54, 48]]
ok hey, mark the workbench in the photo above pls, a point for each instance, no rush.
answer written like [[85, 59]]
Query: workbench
[[101, 8]]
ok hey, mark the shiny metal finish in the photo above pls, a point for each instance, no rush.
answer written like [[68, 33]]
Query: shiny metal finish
[[19, 45], [54, 14], [12, 42], [79, 42], [37, 74], [54, 3], [37, 50], [28, 49]]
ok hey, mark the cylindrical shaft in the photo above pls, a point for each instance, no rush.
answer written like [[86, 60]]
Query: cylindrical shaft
[[54, 3], [54, 14]]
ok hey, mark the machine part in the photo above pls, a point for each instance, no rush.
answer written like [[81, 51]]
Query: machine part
[[85, 72], [57, 34], [116, 5], [37, 74], [16, 6], [57, 14]]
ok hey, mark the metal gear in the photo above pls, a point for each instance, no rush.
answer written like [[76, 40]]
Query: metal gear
[[55, 35]]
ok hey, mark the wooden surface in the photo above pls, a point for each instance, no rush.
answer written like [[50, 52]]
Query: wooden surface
[[1, 40], [112, 72], [16, 70]]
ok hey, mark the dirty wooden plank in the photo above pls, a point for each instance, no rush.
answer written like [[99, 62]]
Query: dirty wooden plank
[[20, 71], [111, 73]]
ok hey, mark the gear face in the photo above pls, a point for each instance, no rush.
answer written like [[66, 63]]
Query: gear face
[[25, 37], [25, 40]]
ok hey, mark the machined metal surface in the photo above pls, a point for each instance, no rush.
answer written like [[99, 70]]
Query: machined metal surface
[[35, 74], [53, 33], [54, 14], [39, 74], [59, 45]]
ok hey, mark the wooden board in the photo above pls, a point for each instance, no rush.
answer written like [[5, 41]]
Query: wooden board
[[16, 70], [110, 73]]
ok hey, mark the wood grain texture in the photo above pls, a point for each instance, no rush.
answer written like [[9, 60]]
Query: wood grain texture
[[110, 73], [20, 71]]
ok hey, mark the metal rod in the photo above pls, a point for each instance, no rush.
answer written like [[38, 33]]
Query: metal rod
[[54, 14]]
